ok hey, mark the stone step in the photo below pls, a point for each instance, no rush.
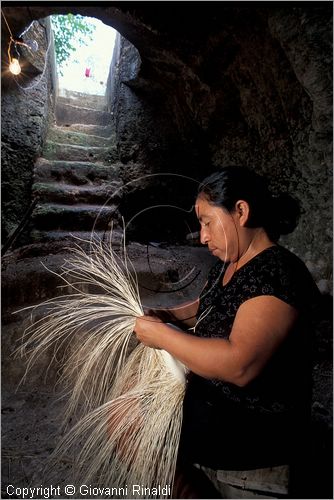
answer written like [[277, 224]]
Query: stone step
[[99, 130], [66, 136], [81, 217], [115, 237], [58, 151], [96, 102], [68, 114], [75, 172], [68, 193]]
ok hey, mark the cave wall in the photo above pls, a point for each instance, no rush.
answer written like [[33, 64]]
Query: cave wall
[[305, 38], [156, 156], [145, 117], [27, 104], [225, 84], [253, 88]]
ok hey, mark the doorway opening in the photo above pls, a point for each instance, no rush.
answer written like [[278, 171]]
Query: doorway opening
[[84, 48]]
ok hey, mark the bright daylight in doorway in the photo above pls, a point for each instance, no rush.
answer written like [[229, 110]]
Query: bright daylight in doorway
[[88, 67]]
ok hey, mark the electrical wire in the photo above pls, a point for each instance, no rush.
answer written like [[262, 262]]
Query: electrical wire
[[10, 32], [12, 40]]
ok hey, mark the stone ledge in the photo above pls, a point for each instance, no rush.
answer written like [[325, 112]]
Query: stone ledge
[[271, 479], [256, 483]]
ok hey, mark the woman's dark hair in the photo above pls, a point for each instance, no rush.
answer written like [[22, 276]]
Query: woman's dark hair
[[277, 214]]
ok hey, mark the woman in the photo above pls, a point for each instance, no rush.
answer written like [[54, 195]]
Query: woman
[[248, 392]]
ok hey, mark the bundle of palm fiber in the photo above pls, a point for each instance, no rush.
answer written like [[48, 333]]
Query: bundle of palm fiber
[[129, 396]]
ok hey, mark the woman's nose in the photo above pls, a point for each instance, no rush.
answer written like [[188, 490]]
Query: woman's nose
[[204, 236]]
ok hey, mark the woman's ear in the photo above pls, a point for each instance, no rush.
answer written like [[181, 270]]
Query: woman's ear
[[242, 211]]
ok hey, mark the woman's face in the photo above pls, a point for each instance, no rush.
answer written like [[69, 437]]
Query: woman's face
[[219, 230]]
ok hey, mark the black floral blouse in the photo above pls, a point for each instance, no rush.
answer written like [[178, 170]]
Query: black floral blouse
[[283, 387], [277, 272]]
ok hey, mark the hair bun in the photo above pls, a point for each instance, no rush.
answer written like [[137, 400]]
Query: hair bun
[[285, 214]]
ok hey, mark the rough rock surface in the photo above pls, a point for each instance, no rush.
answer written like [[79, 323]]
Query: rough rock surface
[[223, 84], [26, 109], [228, 84]]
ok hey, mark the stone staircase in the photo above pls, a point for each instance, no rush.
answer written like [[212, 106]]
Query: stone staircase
[[76, 181]]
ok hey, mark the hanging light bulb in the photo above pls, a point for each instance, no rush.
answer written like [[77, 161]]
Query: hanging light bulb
[[14, 66]]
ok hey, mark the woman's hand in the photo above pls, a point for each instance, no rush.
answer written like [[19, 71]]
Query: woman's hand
[[148, 330]]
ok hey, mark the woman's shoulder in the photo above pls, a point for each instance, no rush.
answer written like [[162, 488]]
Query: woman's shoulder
[[275, 258], [278, 271], [278, 259]]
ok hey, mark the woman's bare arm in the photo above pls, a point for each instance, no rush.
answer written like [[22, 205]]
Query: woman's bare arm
[[260, 326]]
